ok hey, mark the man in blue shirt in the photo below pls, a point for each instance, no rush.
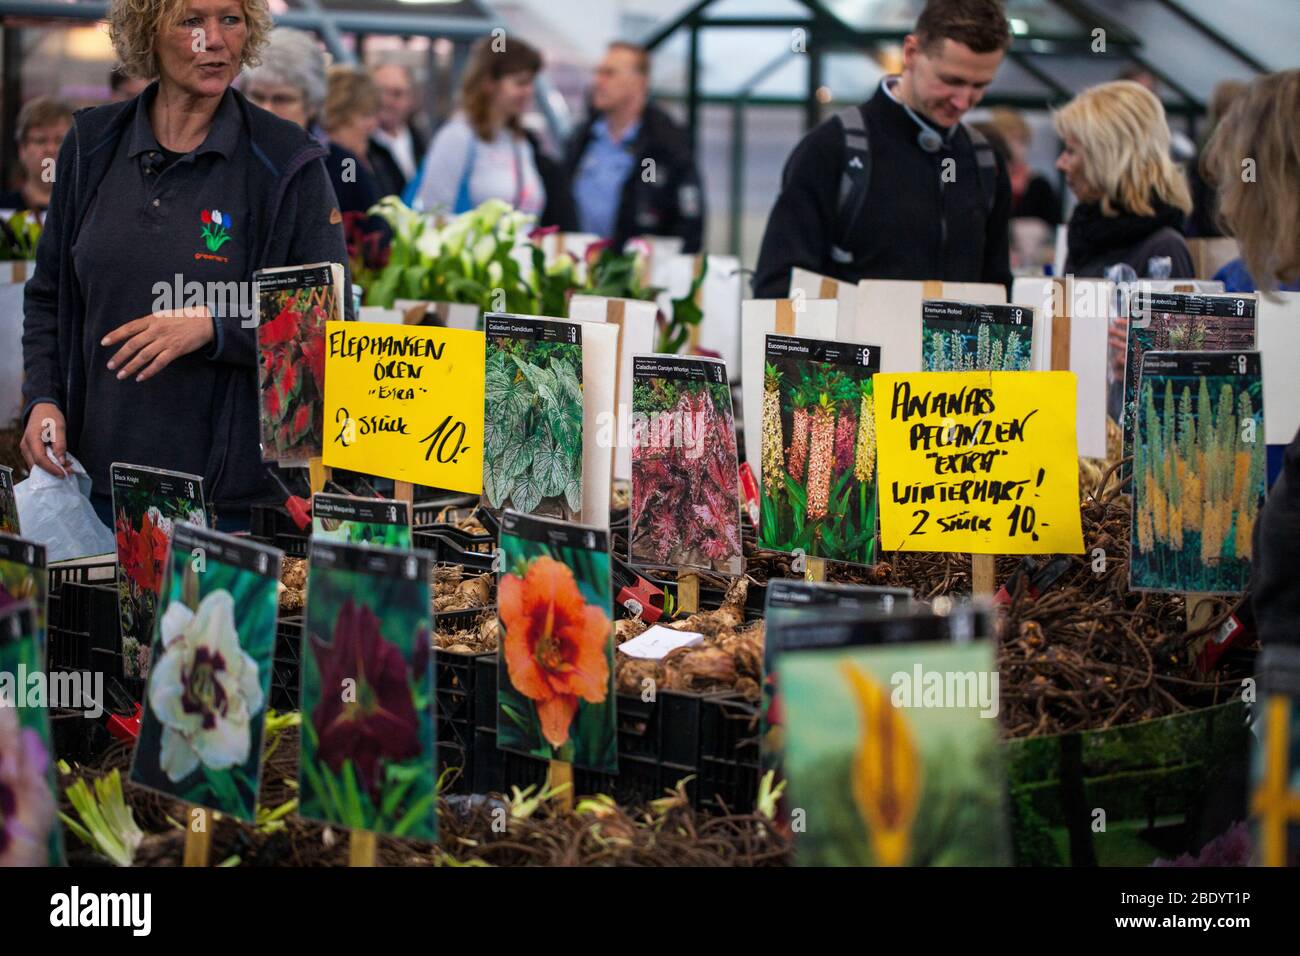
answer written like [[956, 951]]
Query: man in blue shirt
[[630, 165]]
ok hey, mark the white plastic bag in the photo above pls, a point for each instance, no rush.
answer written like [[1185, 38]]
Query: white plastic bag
[[57, 513]]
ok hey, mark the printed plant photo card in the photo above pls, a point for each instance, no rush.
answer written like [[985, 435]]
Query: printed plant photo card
[[794, 612], [818, 490], [24, 577], [349, 520], [685, 510], [293, 305], [892, 745], [532, 458], [29, 824], [970, 337], [208, 691], [1198, 471], [806, 316], [555, 671], [146, 503], [1178, 322], [368, 759], [8, 503]]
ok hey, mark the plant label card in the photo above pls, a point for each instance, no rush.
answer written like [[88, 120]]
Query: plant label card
[[8, 503], [719, 299], [657, 642], [889, 313], [549, 393], [213, 649], [1279, 344], [1073, 326], [636, 324], [1198, 471], [970, 337], [813, 285], [555, 672], [368, 759], [29, 823], [350, 520], [811, 318], [1175, 322], [794, 612], [893, 752], [685, 510], [818, 490], [146, 503], [293, 305], [405, 402], [981, 462], [24, 577]]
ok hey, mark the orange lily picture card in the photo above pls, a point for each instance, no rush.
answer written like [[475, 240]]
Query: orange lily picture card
[[555, 673], [891, 747]]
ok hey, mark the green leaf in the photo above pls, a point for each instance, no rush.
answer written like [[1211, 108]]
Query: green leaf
[[515, 458], [573, 493], [526, 494], [551, 466], [798, 499], [418, 814], [352, 796], [516, 717]]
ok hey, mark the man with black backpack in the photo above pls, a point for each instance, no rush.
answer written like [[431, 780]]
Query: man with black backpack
[[898, 187]]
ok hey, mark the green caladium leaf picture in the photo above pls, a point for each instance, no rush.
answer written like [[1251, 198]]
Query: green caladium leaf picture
[[533, 416]]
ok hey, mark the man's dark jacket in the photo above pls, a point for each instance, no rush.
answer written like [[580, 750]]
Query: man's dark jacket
[[671, 203], [295, 225], [914, 224]]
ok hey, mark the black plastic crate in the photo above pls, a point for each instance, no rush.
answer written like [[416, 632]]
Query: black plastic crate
[[446, 549], [637, 782], [102, 571], [77, 738], [83, 629], [729, 754], [271, 524], [496, 771], [286, 667], [455, 767]]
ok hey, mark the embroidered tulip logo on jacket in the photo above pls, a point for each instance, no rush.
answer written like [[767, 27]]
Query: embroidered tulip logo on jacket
[[886, 775], [215, 226]]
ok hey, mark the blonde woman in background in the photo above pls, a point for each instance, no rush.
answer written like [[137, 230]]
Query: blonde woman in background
[[1263, 210], [1133, 200]]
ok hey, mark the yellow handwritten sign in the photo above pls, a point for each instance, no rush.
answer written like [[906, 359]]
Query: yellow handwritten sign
[[405, 402], [980, 462]]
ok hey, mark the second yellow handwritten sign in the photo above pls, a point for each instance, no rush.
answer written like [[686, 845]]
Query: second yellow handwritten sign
[[979, 462], [405, 402]]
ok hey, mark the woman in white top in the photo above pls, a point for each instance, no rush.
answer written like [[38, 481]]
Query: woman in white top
[[483, 152]]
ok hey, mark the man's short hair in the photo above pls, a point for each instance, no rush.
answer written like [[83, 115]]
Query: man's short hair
[[42, 111], [641, 54], [979, 24]]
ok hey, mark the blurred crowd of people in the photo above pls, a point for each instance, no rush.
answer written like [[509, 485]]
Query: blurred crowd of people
[[1139, 187]]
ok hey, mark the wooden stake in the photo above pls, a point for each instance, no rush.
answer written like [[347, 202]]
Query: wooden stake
[[363, 848], [558, 774], [983, 575], [688, 591], [815, 569], [1273, 804], [404, 491], [198, 843], [317, 474]]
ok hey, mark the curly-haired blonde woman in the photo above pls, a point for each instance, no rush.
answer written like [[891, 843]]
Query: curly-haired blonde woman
[[1133, 200], [188, 186]]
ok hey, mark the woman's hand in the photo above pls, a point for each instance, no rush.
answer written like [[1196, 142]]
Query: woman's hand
[[44, 423], [155, 341]]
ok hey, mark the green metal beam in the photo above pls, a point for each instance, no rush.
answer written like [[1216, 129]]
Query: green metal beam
[[1196, 23], [1090, 18], [668, 29], [1040, 75]]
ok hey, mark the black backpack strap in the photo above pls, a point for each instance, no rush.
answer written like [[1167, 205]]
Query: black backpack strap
[[853, 182], [987, 164]]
